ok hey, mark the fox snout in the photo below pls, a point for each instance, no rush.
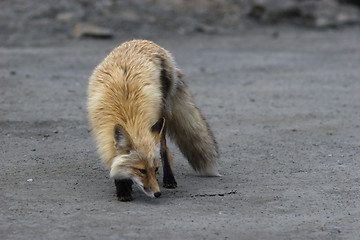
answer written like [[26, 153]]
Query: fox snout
[[150, 193]]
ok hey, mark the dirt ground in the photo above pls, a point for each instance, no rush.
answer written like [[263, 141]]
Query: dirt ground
[[284, 106]]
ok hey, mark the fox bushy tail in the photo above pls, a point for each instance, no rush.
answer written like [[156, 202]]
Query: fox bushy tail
[[188, 128]]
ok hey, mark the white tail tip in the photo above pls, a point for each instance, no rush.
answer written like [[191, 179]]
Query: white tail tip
[[209, 172]]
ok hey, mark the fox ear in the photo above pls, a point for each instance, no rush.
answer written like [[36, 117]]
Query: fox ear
[[119, 137], [158, 126]]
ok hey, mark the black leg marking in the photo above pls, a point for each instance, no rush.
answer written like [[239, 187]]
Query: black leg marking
[[124, 189], [158, 126], [169, 179]]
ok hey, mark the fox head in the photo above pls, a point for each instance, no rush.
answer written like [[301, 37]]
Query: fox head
[[137, 160]]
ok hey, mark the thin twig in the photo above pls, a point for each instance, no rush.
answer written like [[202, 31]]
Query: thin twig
[[214, 194]]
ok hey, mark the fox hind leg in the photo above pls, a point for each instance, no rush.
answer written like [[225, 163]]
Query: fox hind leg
[[167, 163], [124, 189]]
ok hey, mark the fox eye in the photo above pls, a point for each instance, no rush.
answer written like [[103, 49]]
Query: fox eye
[[142, 171]]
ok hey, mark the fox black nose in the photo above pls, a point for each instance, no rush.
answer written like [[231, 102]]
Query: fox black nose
[[157, 194]]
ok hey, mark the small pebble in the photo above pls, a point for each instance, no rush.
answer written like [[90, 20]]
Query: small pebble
[[331, 229], [223, 213], [30, 180]]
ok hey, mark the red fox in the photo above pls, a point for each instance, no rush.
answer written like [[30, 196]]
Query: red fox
[[136, 96]]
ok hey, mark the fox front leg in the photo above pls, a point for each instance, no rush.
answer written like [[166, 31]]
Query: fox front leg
[[124, 189]]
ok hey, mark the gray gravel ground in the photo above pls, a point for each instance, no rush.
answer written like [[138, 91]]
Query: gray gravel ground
[[284, 106]]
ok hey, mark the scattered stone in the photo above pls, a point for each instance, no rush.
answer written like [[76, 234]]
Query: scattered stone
[[131, 16], [65, 16], [83, 30], [30, 180], [205, 29], [50, 21], [318, 14], [331, 229], [223, 213]]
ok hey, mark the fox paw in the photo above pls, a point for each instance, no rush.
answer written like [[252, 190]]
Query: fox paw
[[170, 185], [127, 198]]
